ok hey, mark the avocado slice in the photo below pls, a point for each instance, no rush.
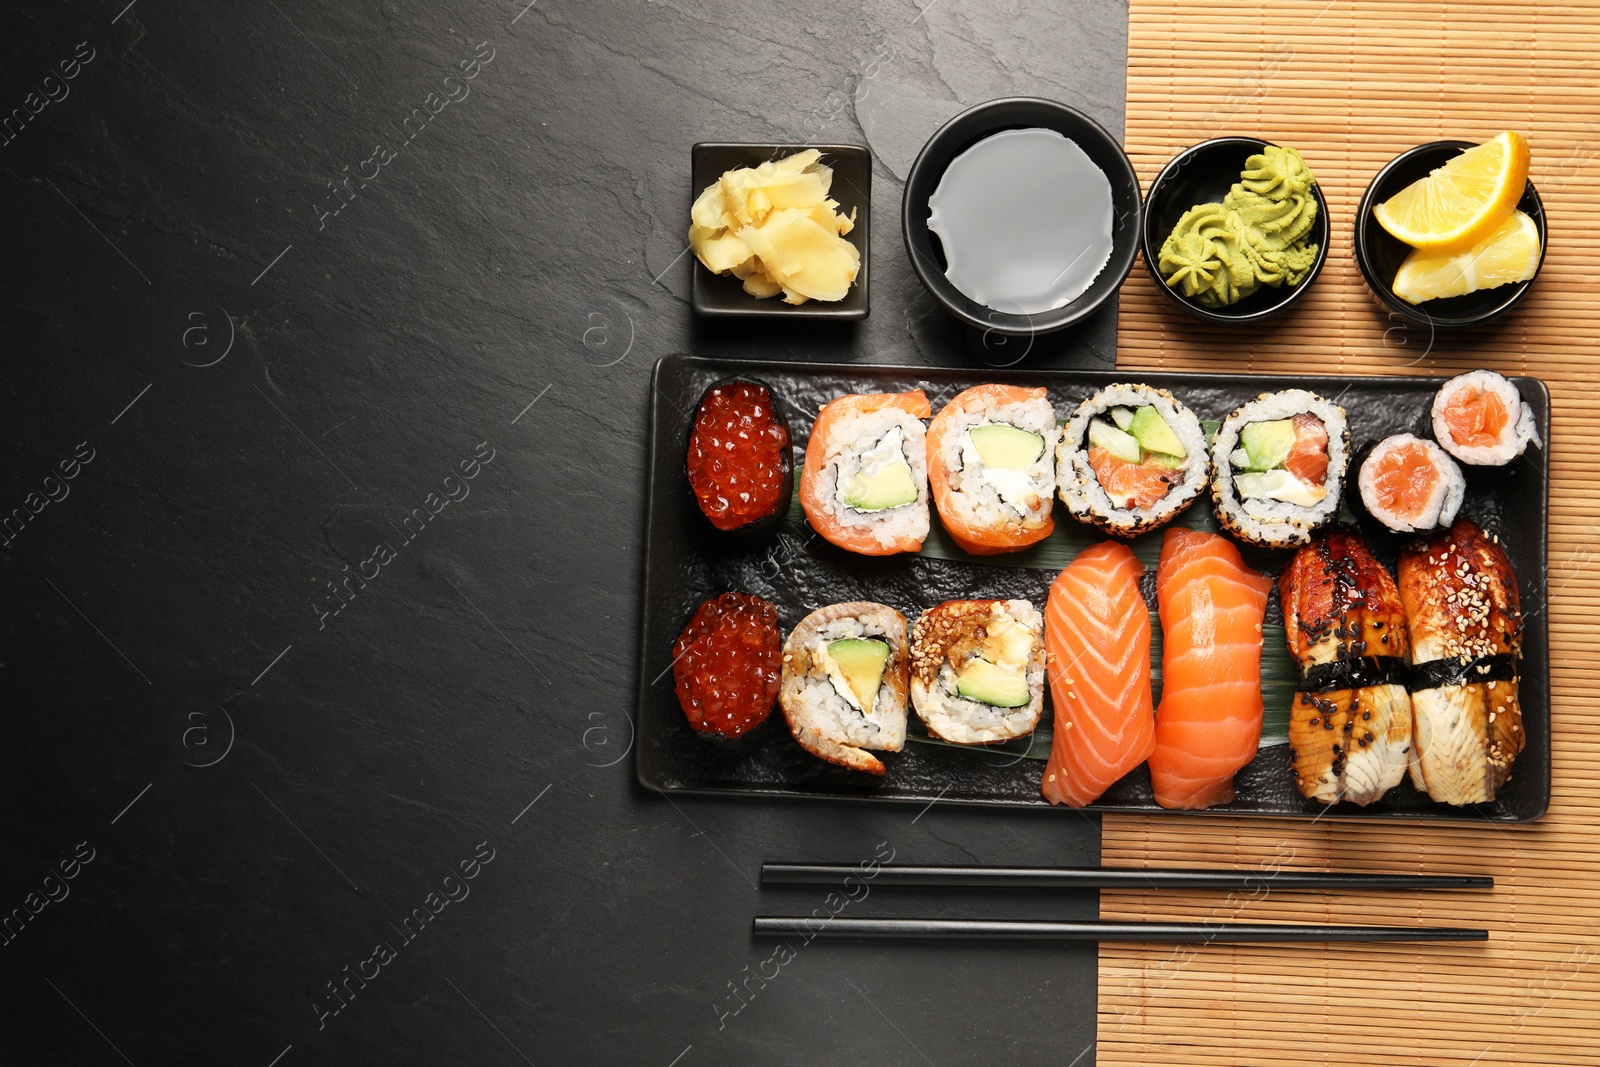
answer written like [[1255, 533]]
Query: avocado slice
[[861, 662], [1161, 459], [884, 480], [989, 684], [1153, 433], [1267, 443], [1002, 445], [1122, 445]]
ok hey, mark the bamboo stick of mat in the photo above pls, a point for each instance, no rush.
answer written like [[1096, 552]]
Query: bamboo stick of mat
[[1189, 933], [979, 877]]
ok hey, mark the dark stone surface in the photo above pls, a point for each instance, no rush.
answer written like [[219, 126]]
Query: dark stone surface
[[268, 391]]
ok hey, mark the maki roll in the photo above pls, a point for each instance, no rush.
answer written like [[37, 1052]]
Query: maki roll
[[725, 666], [977, 670], [844, 683], [865, 483], [1410, 485], [1465, 618], [741, 470], [1481, 419], [1130, 459], [991, 465], [1277, 467]]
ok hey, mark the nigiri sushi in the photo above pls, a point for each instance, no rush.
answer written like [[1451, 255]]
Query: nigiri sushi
[[991, 465], [865, 483], [1465, 618], [1097, 634], [1209, 722], [1350, 726]]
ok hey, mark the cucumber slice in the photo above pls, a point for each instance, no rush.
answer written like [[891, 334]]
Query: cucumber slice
[[1121, 445]]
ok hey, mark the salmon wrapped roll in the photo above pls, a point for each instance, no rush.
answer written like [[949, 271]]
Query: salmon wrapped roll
[[865, 483], [991, 465]]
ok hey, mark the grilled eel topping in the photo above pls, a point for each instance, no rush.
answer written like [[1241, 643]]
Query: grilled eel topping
[[1466, 634], [1350, 726]]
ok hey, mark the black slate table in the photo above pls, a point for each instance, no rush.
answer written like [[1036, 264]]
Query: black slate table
[[284, 283]]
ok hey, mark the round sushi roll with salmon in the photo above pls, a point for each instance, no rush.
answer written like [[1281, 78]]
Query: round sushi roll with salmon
[[1278, 466], [991, 465], [865, 482], [1481, 419], [844, 683], [1130, 459], [1410, 485], [977, 670]]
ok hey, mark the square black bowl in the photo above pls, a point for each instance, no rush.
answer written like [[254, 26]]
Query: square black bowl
[[724, 295]]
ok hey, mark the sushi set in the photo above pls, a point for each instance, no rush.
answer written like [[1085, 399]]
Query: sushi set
[[1259, 595]]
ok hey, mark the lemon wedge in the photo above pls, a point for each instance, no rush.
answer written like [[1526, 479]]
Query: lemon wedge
[[1462, 202], [1509, 254]]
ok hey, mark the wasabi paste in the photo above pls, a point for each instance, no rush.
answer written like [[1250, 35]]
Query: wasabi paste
[[1218, 254]]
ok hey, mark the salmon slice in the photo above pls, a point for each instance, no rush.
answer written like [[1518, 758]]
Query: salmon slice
[[1097, 633], [1476, 417], [978, 538], [1308, 456], [858, 539], [1132, 485], [1209, 721]]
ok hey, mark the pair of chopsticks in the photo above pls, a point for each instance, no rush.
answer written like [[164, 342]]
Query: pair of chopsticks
[[1106, 878]]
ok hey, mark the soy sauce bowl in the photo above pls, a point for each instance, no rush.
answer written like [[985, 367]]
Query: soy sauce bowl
[[1203, 174], [966, 130], [1379, 253]]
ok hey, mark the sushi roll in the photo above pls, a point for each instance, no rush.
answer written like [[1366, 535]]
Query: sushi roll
[[844, 683], [977, 670], [1410, 485], [1277, 468], [1481, 419], [1130, 459], [865, 482], [991, 465], [725, 666], [740, 465]]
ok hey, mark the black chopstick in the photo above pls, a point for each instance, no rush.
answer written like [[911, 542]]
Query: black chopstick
[[1183, 933], [1111, 878]]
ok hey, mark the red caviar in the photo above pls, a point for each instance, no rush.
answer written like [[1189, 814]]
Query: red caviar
[[738, 455], [727, 664]]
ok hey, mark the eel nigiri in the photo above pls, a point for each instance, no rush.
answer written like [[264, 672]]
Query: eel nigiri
[[1350, 726], [1097, 632], [1465, 617], [1209, 722], [991, 465], [865, 483]]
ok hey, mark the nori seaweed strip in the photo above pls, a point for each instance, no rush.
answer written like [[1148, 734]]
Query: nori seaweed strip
[[1359, 673], [1438, 673]]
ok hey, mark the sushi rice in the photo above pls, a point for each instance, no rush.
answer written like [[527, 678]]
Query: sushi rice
[[1262, 520], [824, 714], [1520, 431], [1080, 488]]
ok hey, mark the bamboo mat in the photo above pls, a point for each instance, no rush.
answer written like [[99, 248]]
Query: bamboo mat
[[1351, 84]]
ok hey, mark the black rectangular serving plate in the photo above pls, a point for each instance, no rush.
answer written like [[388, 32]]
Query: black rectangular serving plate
[[687, 561]]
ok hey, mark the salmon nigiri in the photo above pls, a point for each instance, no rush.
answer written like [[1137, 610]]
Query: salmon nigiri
[[1097, 631], [865, 483], [991, 465], [1209, 721]]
